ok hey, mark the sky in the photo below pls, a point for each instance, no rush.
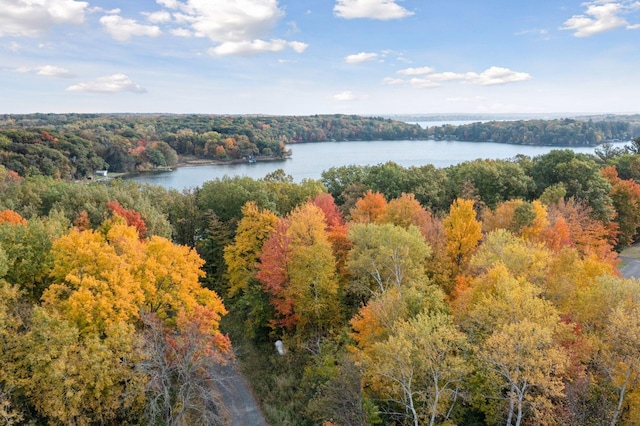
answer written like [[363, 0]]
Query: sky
[[303, 57]]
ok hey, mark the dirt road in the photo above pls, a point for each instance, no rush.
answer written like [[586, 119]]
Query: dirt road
[[236, 396]]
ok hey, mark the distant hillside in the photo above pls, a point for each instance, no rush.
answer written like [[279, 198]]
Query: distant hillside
[[562, 132], [451, 117], [73, 146], [128, 142]]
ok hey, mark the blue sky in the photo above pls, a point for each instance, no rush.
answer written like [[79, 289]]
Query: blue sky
[[300, 57]]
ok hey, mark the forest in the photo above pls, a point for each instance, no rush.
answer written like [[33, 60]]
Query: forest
[[485, 293], [563, 132], [74, 146]]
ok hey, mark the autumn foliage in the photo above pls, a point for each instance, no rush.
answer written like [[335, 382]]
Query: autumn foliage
[[489, 301], [132, 217], [9, 216]]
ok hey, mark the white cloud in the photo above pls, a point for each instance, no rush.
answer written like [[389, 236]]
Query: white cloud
[[447, 76], [543, 33], [424, 83], [430, 79], [181, 32], [372, 9], [98, 9], [53, 71], [361, 57], [393, 81], [14, 47], [171, 4], [123, 29], [345, 96], [225, 21], [116, 83], [416, 71], [248, 48], [47, 71], [497, 75], [28, 18], [158, 17], [238, 27], [426, 77], [600, 16], [298, 46]]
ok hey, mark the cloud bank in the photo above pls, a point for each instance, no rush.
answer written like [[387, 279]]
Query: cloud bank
[[426, 77]]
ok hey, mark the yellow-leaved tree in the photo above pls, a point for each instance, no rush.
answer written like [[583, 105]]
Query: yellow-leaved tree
[[463, 232], [298, 269], [517, 337], [89, 349], [241, 257]]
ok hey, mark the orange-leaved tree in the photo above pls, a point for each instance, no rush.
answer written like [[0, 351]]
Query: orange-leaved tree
[[132, 217], [9, 216], [589, 235], [405, 211], [337, 230], [369, 208], [625, 195]]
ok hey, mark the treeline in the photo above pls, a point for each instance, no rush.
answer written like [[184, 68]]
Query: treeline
[[74, 155], [483, 293], [73, 146], [142, 142], [564, 132]]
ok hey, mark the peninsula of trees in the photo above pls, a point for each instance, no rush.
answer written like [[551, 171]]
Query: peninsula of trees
[[73, 146]]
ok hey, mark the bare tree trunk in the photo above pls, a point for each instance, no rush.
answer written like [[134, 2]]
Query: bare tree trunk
[[621, 395], [510, 417]]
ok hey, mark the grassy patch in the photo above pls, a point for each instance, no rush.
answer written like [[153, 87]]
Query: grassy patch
[[633, 252]]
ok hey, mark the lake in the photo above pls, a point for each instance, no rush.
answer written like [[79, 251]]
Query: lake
[[311, 159]]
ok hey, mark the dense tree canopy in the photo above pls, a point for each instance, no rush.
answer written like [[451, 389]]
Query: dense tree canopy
[[483, 293]]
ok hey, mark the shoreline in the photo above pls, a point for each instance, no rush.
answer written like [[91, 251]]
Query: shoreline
[[192, 161]]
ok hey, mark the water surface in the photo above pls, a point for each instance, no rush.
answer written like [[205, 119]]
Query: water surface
[[311, 159]]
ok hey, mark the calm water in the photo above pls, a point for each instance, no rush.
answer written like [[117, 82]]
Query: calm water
[[310, 160]]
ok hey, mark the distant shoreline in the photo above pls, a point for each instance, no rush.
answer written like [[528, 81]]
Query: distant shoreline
[[192, 161]]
